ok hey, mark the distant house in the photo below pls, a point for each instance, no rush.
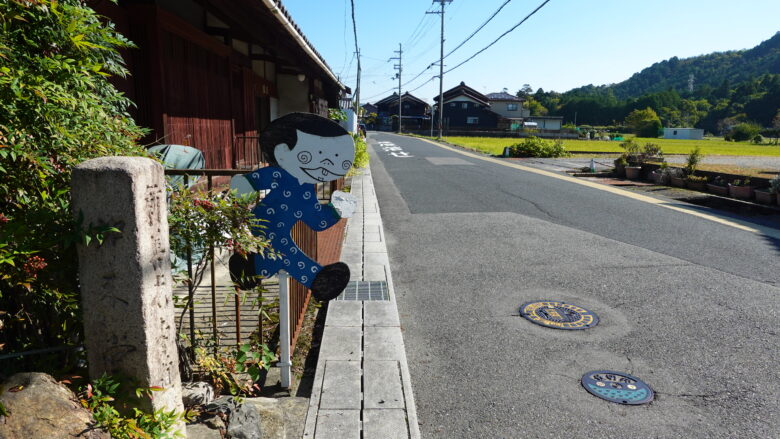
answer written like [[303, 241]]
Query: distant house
[[369, 108], [507, 105], [467, 109], [415, 112], [683, 133]]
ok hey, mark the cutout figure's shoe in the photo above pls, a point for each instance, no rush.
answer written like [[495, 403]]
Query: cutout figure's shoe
[[242, 271], [330, 281]]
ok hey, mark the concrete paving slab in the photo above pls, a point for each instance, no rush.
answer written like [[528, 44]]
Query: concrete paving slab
[[380, 314], [385, 424], [376, 259], [374, 272], [338, 424], [372, 237], [341, 385], [342, 313], [341, 343], [371, 229], [383, 343], [383, 388], [375, 247]]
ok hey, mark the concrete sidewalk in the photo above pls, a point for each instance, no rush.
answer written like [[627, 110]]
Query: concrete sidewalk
[[362, 386]]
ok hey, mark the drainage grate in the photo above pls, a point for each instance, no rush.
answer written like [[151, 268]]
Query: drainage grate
[[364, 290], [617, 387], [559, 315]]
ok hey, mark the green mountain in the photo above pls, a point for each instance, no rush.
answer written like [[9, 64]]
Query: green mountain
[[709, 71]]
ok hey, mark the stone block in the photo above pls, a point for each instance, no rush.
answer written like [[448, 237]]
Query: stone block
[[383, 343], [383, 388], [374, 273], [381, 314], [341, 343], [338, 424], [341, 385], [126, 295], [385, 424], [344, 313]]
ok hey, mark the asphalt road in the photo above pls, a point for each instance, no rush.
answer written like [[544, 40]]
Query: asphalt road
[[687, 304]]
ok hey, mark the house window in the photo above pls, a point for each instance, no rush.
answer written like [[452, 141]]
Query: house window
[[464, 105], [452, 104], [511, 107], [472, 120], [675, 132], [406, 106]]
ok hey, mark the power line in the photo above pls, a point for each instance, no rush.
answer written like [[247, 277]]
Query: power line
[[479, 28], [501, 36]]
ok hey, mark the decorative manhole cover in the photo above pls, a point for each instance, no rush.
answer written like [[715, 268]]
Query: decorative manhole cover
[[617, 387], [559, 315]]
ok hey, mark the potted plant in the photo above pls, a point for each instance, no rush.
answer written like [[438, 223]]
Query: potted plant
[[774, 187], [634, 157], [620, 166], [661, 175], [764, 196], [696, 182], [741, 189], [677, 177], [718, 186]]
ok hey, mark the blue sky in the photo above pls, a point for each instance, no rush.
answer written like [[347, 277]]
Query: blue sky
[[568, 43]]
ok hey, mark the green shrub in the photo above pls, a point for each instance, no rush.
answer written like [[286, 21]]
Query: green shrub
[[744, 131], [57, 109], [536, 147], [757, 139], [361, 152], [114, 406]]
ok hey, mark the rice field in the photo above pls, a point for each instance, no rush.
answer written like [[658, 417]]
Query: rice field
[[709, 146]]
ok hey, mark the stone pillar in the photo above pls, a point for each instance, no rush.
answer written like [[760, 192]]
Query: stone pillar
[[126, 294]]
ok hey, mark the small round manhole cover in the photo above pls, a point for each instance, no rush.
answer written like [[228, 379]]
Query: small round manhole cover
[[559, 315], [617, 387]]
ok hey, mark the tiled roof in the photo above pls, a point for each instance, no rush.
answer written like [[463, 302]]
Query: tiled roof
[[503, 96]]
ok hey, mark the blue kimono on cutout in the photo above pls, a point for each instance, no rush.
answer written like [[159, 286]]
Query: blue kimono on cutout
[[288, 202]]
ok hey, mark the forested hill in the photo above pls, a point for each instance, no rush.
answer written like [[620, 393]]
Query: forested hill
[[708, 71]]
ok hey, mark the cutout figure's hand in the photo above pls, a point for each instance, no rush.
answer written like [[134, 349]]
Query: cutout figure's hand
[[241, 184], [343, 203]]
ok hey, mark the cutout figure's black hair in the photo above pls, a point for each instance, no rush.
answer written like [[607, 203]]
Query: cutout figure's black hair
[[283, 130]]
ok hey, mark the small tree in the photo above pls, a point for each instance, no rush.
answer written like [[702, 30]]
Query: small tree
[[644, 123]]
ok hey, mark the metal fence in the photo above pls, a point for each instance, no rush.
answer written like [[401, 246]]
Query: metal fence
[[226, 313]]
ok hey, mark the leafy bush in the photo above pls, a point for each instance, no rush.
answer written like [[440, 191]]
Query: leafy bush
[[57, 109], [697, 178], [757, 139], [536, 147], [744, 131], [361, 152], [114, 407]]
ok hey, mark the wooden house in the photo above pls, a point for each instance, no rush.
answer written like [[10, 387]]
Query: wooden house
[[212, 73], [467, 109], [415, 113]]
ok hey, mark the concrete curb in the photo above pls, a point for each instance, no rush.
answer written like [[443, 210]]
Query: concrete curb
[[362, 386]]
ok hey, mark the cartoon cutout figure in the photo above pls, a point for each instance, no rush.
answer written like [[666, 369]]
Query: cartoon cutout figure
[[302, 150]]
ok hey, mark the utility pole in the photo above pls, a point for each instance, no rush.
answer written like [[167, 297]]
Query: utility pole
[[400, 69], [441, 64], [357, 51]]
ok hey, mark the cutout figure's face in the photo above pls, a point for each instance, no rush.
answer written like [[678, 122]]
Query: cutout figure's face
[[317, 159]]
